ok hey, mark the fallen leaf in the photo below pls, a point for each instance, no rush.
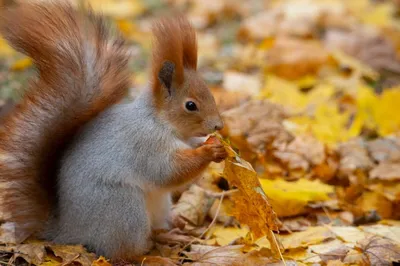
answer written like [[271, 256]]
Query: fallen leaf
[[332, 250], [101, 262], [193, 206], [348, 234], [21, 64], [384, 150], [32, 253], [389, 232], [208, 255], [311, 236], [380, 251], [5, 49], [354, 157], [372, 201], [295, 224], [309, 57], [120, 9], [386, 171], [70, 254], [226, 235], [236, 81], [292, 198]]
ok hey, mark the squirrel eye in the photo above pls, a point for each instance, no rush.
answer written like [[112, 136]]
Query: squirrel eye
[[191, 106]]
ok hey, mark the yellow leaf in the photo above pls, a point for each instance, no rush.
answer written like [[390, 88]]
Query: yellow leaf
[[347, 61], [101, 262], [388, 103], [21, 64], [267, 44], [379, 15], [225, 235], [251, 203], [306, 81], [291, 198], [120, 8], [312, 236], [283, 92], [5, 49], [133, 32]]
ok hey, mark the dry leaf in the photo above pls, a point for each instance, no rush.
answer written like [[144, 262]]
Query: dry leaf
[[251, 203], [380, 251], [236, 81], [385, 149], [348, 234], [70, 254], [226, 235], [292, 198], [375, 202], [33, 253], [354, 157], [192, 206], [332, 250], [386, 171], [101, 262], [389, 232], [208, 255], [309, 57], [311, 236], [21, 64]]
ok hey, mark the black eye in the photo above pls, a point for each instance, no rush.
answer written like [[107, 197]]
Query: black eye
[[191, 106]]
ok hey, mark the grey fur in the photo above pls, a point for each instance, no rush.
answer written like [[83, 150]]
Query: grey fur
[[107, 178]]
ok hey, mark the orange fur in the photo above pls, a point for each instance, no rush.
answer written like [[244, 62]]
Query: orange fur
[[82, 71], [174, 41]]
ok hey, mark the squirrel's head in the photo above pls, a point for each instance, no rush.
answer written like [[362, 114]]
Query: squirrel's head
[[180, 94]]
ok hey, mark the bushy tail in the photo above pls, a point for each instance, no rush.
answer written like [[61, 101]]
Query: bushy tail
[[82, 71]]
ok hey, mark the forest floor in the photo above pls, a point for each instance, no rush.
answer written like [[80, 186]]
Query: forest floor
[[310, 94]]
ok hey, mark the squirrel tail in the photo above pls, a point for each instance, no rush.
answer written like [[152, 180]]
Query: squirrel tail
[[82, 70]]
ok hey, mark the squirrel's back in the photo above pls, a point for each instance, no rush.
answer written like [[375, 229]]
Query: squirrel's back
[[82, 70]]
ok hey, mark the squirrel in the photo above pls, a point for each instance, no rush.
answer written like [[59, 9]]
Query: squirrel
[[78, 165]]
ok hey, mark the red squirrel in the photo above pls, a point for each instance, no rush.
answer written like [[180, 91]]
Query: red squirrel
[[77, 166]]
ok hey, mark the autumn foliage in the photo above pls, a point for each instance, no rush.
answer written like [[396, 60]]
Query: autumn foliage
[[309, 92]]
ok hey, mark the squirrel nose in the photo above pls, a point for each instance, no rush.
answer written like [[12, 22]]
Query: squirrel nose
[[219, 125]]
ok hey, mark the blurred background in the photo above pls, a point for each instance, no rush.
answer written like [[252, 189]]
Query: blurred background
[[310, 90]]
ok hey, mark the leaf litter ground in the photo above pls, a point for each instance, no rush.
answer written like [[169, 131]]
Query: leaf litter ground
[[310, 93]]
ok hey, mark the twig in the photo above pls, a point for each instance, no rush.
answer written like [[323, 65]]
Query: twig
[[219, 194], [277, 247]]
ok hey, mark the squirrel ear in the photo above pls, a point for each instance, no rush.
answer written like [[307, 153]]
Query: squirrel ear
[[166, 74]]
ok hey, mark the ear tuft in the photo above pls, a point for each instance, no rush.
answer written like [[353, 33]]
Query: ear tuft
[[166, 74]]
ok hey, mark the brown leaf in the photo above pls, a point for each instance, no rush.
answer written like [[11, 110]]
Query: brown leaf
[[384, 149], [353, 157], [386, 171], [173, 237], [367, 45], [192, 206], [251, 203], [256, 126], [295, 224], [33, 253], [380, 251], [332, 250], [70, 254], [308, 59], [207, 255], [313, 235]]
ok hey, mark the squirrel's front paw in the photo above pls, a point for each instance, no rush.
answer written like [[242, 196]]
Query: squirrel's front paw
[[216, 151]]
